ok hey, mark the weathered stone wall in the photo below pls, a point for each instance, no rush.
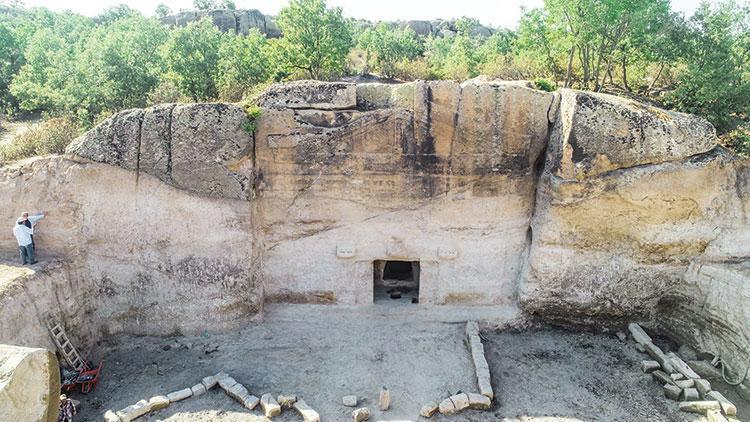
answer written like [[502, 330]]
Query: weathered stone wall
[[435, 172], [640, 215], [53, 289], [583, 208], [153, 259], [29, 384]]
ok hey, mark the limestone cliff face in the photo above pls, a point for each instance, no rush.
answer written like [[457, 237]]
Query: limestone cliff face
[[581, 208], [136, 255]]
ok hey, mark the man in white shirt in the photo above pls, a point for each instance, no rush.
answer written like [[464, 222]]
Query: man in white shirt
[[23, 236], [30, 222]]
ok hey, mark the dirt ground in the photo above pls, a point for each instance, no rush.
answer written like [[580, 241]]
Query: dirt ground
[[321, 353]]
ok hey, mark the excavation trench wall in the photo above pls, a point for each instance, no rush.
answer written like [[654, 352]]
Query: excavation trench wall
[[581, 208]]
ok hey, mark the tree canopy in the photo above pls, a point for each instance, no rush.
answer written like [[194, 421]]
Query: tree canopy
[[63, 64]]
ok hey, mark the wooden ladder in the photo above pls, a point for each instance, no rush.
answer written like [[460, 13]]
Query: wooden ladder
[[68, 351]]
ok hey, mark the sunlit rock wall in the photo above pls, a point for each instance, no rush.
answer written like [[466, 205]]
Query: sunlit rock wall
[[146, 257], [435, 172]]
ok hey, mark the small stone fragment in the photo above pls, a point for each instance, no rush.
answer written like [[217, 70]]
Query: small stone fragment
[[649, 366], [715, 416], [685, 384], [690, 394], [238, 392], [472, 329], [638, 334], [249, 401], [447, 407], [158, 402], [661, 377], [680, 366], [701, 407], [727, 407], [226, 383], [179, 395], [485, 386], [620, 335], [209, 382], [672, 392], [478, 401], [454, 404], [198, 389], [134, 411], [349, 401], [703, 387], [286, 401], [110, 416], [428, 410], [677, 376], [361, 414], [269, 405], [307, 413], [385, 399], [656, 354]]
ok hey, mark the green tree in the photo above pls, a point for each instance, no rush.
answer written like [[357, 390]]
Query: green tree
[[389, 46], [192, 57], [453, 57], [11, 59], [716, 84], [123, 60], [114, 13], [244, 62], [316, 40], [50, 79], [162, 11], [536, 40]]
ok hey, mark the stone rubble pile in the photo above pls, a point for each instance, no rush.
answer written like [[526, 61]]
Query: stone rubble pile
[[680, 382], [230, 386]]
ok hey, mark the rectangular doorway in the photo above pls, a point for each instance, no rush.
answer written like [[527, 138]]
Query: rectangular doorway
[[395, 281]]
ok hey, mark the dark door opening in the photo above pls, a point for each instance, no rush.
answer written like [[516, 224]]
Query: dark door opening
[[396, 281]]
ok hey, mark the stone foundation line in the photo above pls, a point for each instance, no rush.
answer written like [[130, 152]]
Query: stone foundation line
[[461, 401], [231, 387], [680, 382]]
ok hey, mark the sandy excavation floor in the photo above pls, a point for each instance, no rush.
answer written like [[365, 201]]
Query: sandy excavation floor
[[322, 353]]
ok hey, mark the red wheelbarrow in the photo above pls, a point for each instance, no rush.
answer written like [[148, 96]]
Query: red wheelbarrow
[[86, 378]]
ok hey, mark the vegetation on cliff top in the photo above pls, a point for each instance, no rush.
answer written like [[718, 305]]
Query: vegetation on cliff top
[[82, 69]]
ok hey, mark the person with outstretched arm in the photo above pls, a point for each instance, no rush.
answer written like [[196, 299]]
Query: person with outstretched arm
[[31, 220], [23, 236]]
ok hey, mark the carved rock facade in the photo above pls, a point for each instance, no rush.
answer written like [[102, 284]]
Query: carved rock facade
[[580, 208]]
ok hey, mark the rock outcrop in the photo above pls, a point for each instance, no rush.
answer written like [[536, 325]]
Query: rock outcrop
[[239, 21], [242, 21], [581, 208], [29, 384]]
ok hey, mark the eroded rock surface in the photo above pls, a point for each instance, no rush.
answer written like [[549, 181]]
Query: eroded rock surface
[[582, 208], [29, 384], [196, 147]]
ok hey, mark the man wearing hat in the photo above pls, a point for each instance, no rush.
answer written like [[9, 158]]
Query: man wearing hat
[[67, 409]]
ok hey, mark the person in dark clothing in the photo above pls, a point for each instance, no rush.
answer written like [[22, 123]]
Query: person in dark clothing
[[67, 409]]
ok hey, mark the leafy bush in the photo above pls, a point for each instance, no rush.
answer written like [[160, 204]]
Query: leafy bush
[[544, 85], [252, 112], [411, 70], [739, 141], [166, 92], [49, 137]]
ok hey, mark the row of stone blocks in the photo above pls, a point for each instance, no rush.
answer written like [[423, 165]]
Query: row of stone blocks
[[680, 382], [270, 406], [461, 401]]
